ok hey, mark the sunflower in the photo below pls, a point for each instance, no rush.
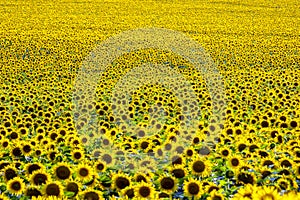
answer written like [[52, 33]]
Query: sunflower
[[84, 172], [192, 188], [216, 195], [224, 152], [77, 155], [53, 189], [245, 177], [62, 171], [141, 177], [189, 152], [100, 166], [286, 183], [269, 162], [16, 151], [235, 161], [9, 172], [120, 181], [178, 171], [16, 186], [73, 186], [200, 166], [144, 191], [128, 192], [33, 191], [167, 184], [266, 192], [26, 148], [91, 194], [31, 167], [39, 177], [245, 193], [209, 187]]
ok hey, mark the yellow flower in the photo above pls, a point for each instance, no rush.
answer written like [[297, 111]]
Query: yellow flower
[[144, 191], [16, 186], [120, 181], [266, 193], [193, 188]]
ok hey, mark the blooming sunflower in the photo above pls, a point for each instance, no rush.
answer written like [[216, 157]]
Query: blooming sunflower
[[192, 188], [73, 187], [9, 172], [53, 189], [120, 181], [92, 194], [167, 184], [39, 177], [100, 166], [84, 172], [266, 192], [62, 171], [141, 177], [33, 191], [31, 167], [128, 192], [216, 195], [16, 186], [245, 192], [144, 191], [200, 166]]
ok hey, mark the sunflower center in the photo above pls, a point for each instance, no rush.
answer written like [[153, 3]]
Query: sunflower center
[[33, 192], [63, 172], [199, 166], [39, 179], [91, 196], [178, 173], [130, 193], [225, 152], [122, 182], [83, 172], [52, 190], [10, 174], [17, 151], [77, 155], [235, 162], [27, 148], [100, 166], [33, 167], [167, 183], [16, 186], [72, 187], [144, 191], [141, 178], [193, 188], [107, 158]]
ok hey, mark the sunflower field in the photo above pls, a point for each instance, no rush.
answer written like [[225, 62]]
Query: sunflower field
[[128, 142]]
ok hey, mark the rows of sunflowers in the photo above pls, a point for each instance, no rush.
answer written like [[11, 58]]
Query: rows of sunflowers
[[50, 150]]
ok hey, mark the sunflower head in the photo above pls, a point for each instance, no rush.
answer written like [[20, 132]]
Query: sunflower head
[[16, 186]]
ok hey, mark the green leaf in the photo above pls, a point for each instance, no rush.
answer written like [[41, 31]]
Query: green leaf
[[69, 193]]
